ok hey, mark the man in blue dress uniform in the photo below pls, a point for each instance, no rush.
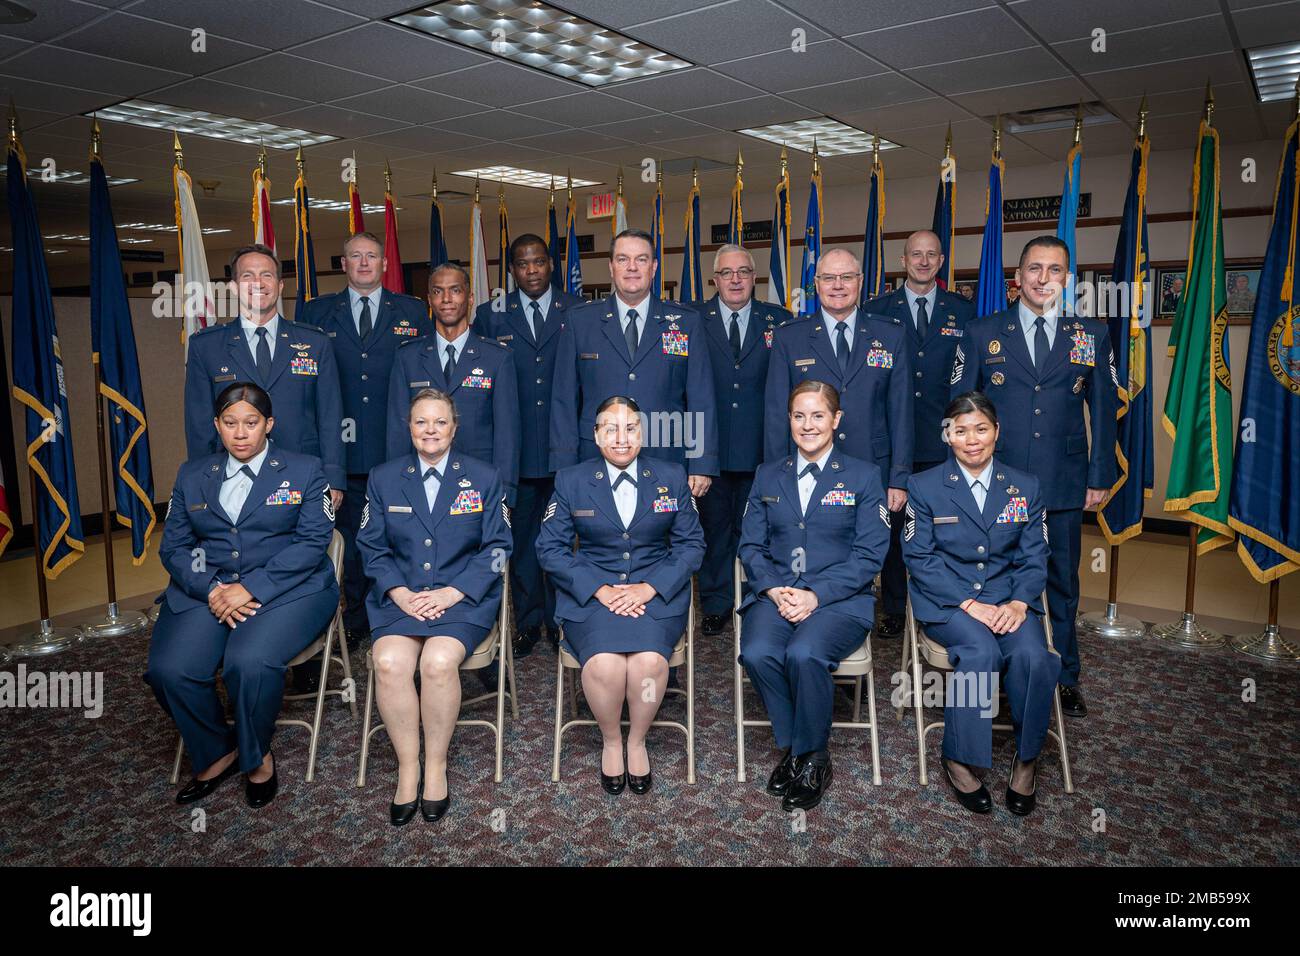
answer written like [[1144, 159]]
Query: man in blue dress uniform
[[739, 335], [1041, 368], [934, 320], [528, 323], [365, 323]]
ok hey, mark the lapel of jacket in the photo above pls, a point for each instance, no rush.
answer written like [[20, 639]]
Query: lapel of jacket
[[995, 502], [1060, 345], [517, 320], [789, 482], [821, 344], [384, 320], [1008, 330], [716, 325], [343, 317], [239, 354], [829, 475], [938, 316], [861, 345], [961, 494], [601, 492], [210, 485], [264, 484], [283, 353], [647, 491], [413, 491], [760, 320], [652, 332], [613, 329], [555, 317]]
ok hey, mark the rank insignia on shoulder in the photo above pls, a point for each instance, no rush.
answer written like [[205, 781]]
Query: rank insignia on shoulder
[[464, 483], [995, 347]]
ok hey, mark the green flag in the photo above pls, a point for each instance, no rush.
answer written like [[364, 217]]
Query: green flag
[[1198, 408]]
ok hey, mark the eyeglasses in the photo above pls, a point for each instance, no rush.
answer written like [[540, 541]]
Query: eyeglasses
[[726, 274], [844, 277]]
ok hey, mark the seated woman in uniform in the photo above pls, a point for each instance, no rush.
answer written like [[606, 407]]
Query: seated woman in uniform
[[814, 535], [622, 597], [975, 546], [245, 542], [434, 538]]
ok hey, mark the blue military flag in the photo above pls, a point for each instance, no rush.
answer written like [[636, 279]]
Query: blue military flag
[[943, 224], [572, 258], [304, 256], [1265, 502], [113, 342], [39, 381], [812, 242], [778, 282], [873, 236], [991, 291], [437, 241], [553, 240], [1130, 331], [657, 232], [1069, 213], [692, 283]]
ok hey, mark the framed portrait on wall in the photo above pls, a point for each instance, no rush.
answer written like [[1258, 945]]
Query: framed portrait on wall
[[966, 288], [1243, 284], [1100, 285], [1169, 286], [1013, 291]]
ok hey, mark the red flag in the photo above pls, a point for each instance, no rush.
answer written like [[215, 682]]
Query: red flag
[[392, 257]]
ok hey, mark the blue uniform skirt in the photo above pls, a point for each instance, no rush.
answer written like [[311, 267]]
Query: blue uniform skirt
[[471, 635], [605, 632]]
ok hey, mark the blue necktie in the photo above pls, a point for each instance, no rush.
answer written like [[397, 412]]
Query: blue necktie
[[263, 355]]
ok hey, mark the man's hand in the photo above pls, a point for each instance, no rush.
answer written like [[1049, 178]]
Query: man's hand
[[336, 499], [699, 485], [896, 498], [1094, 496]]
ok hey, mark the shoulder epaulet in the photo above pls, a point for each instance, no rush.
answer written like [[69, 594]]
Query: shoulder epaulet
[[308, 326], [493, 342], [212, 328]]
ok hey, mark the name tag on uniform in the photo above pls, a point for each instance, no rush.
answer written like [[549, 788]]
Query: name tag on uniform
[[584, 513], [332, 335], [1017, 510], [283, 496], [880, 358], [467, 502], [198, 507], [1083, 350], [995, 360], [399, 509], [801, 363], [302, 366], [676, 343], [223, 378], [664, 503], [505, 338], [589, 355], [947, 519], [771, 498], [477, 381], [840, 498], [418, 384]]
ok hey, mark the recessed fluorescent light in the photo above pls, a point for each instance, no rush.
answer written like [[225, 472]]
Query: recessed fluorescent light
[[544, 37], [213, 125], [833, 137], [522, 177], [163, 227], [1048, 118], [1274, 69], [332, 205], [71, 177]]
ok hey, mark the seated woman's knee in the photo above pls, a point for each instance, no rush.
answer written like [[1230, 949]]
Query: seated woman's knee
[[439, 663]]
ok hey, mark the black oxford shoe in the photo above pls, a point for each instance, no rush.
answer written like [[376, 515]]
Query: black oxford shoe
[[1072, 704], [260, 794], [810, 783], [977, 801], [197, 789], [1022, 804], [783, 774], [713, 624], [891, 625], [526, 640]]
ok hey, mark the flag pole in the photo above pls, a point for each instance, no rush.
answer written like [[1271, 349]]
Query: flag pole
[[1188, 632], [115, 623], [1112, 624]]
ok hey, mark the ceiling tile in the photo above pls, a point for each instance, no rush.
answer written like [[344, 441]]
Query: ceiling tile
[[570, 141], [499, 84], [500, 125], [374, 9], [306, 79], [55, 17], [1024, 96], [88, 72], [990, 72], [621, 13], [845, 17], [276, 25], [944, 39], [227, 100], [902, 116], [425, 139], [682, 89], [758, 111], [393, 52], [1264, 26], [1172, 41], [407, 103], [584, 109], [1226, 96], [337, 122], [11, 45], [127, 37], [745, 27], [62, 100], [1174, 75], [825, 62], [883, 90], [652, 129], [1054, 21]]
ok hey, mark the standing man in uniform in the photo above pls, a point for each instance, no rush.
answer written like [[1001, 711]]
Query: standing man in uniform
[[529, 326], [365, 323], [934, 320], [1040, 368], [740, 331], [865, 358], [651, 351]]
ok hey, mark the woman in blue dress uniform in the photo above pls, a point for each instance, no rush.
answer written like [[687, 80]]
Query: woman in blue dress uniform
[[975, 545], [434, 538], [814, 535], [245, 542], [623, 596]]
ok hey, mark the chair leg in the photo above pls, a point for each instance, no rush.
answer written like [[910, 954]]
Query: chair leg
[[501, 703], [918, 706], [903, 669], [559, 715], [871, 713], [690, 708], [857, 699], [326, 660], [738, 680], [1060, 741], [365, 723], [180, 751], [345, 658], [573, 695]]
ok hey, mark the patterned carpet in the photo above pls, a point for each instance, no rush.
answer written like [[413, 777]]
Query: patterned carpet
[[1184, 771]]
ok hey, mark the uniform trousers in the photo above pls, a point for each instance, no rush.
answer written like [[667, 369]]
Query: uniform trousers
[[721, 510]]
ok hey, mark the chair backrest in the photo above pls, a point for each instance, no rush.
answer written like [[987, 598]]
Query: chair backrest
[[335, 551]]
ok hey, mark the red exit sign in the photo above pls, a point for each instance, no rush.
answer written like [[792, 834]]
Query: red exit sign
[[600, 206]]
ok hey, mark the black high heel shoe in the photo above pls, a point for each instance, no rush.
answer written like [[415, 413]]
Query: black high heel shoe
[[434, 810], [1022, 804], [638, 784], [197, 789], [400, 814], [260, 794], [614, 785], [977, 801]]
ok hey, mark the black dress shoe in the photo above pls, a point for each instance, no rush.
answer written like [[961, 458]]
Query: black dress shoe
[[488, 676], [639, 785], [812, 780], [526, 640], [783, 775], [197, 789], [1021, 804], [260, 794], [672, 678], [977, 801], [1072, 704], [400, 814], [434, 810], [616, 783], [713, 624], [357, 634], [306, 677], [891, 625]]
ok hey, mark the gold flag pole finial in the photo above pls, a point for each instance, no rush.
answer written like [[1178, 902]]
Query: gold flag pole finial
[[13, 124], [299, 161], [476, 188], [1142, 118], [569, 173], [740, 164], [388, 177], [817, 168], [947, 143], [875, 151], [695, 176], [785, 161], [1078, 125], [435, 184], [95, 140], [997, 137], [1209, 104], [620, 182], [176, 150], [261, 157]]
